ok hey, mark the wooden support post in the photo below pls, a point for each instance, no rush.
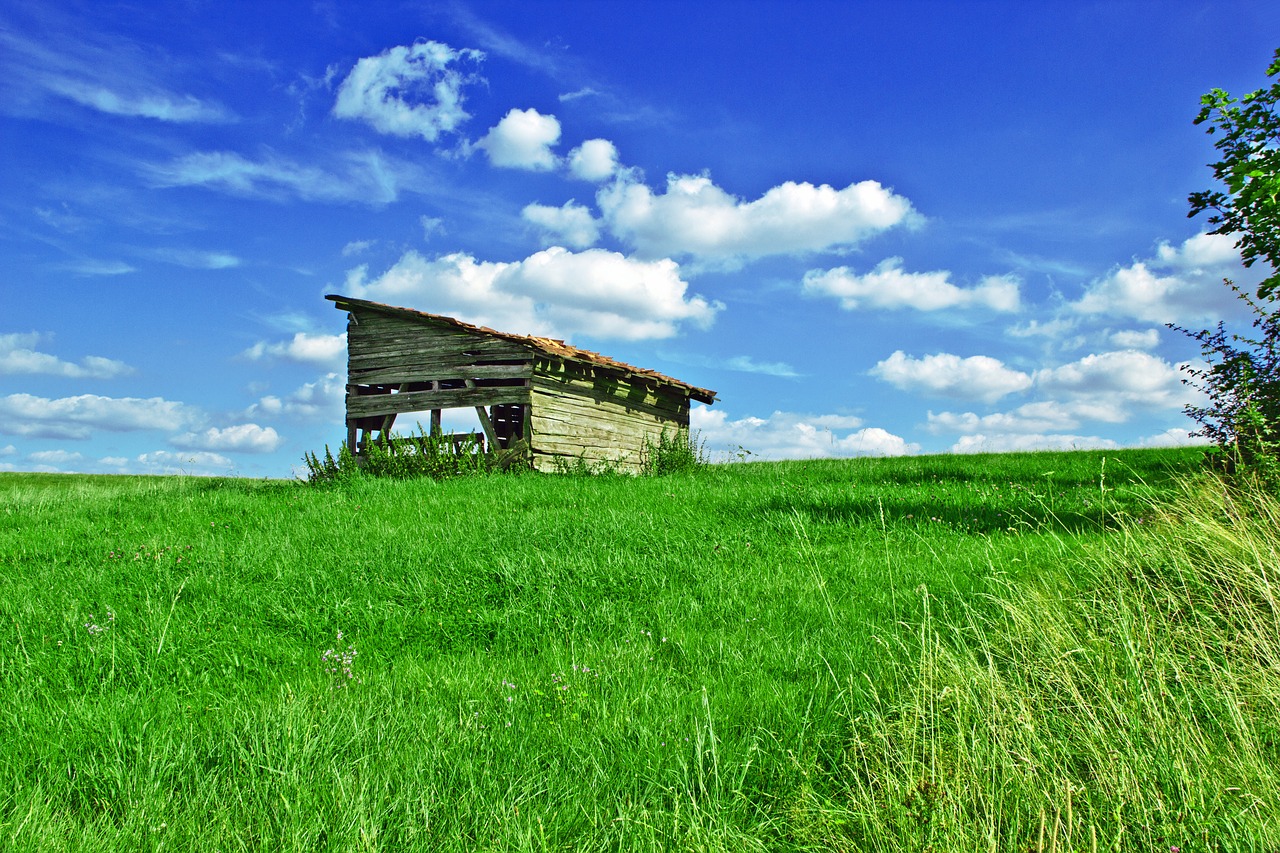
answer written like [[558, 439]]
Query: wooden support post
[[436, 429], [485, 423]]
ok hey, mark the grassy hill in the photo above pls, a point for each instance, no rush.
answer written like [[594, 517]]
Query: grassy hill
[[989, 652]]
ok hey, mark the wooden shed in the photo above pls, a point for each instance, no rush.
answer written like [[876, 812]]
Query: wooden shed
[[562, 402]]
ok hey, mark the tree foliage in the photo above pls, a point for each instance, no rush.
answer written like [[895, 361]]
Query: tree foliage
[[1250, 171], [1241, 382]]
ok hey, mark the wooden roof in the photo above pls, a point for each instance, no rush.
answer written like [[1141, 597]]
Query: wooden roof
[[548, 346]]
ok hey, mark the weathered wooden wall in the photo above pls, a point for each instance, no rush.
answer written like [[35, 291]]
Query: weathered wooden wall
[[580, 412], [384, 350]]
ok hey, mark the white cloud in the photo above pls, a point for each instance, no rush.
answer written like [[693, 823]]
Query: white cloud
[[554, 292], [200, 463], [747, 364], [584, 92], [8, 450], [153, 103], [91, 266], [17, 357], [241, 438], [978, 377], [696, 217], [76, 417], [365, 177], [1053, 330], [303, 348], [787, 435], [1107, 387], [357, 247], [1133, 339], [1124, 377], [379, 88], [322, 400], [571, 224], [431, 226], [1023, 420], [1017, 443], [522, 140], [1180, 284], [594, 160], [197, 259], [1173, 437], [55, 457], [888, 286]]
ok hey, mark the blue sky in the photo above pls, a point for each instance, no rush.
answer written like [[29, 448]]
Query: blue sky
[[872, 228]]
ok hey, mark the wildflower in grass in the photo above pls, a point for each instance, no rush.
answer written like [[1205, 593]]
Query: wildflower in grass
[[95, 629], [340, 665]]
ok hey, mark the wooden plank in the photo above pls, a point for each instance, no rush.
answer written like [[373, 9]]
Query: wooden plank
[[621, 395], [371, 342], [384, 375], [420, 401], [581, 406]]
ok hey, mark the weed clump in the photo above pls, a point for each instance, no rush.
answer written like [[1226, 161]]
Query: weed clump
[[674, 452], [413, 456]]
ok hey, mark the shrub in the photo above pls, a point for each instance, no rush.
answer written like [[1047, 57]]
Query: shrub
[[1242, 383], [1242, 380]]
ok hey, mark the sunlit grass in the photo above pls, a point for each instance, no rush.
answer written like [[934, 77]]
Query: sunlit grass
[[707, 661]]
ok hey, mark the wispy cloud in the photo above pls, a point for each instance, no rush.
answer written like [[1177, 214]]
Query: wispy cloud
[[366, 177], [196, 259], [109, 74]]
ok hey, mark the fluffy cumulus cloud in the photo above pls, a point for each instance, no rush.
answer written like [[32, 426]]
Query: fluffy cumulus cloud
[[523, 139], [241, 438], [978, 377], [554, 292], [1181, 284], [413, 90], [302, 348], [889, 286], [322, 400], [366, 177], [1110, 388], [694, 217], [17, 356], [595, 160], [77, 417], [787, 435], [1121, 378], [571, 224]]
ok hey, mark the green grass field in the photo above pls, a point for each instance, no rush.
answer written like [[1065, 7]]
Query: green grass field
[[1013, 652]]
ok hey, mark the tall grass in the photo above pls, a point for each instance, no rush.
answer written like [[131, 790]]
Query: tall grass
[[1129, 700], [1002, 653]]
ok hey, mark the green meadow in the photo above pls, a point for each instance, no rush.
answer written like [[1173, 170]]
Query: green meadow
[[1022, 652]]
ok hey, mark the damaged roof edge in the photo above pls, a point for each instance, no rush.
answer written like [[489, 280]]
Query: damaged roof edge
[[548, 346]]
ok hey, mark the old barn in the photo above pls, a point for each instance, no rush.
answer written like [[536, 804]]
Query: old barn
[[560, 402]]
